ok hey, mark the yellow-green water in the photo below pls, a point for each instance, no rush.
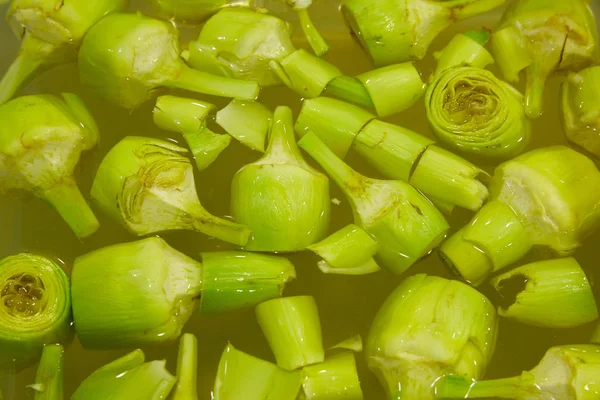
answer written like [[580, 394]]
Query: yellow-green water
[[347, 305]]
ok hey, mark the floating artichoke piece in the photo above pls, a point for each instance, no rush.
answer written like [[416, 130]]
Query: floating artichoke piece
[[51, 33], [187, 369], [565, 372], [194, 11], [49, 377], [581, 109], [388, 42], [405, 225], [127, 58], [247, 121], [148, 186], [427, 328], [334, 378], [41, 139], [292, 327], [316, 41], [35, 308], [470, 110], [541, 37], [396, 152], [465, 49], [188, 117], [243, 376], [557, 294], [234, 279], [554, 194], [283, 200], [240, 43], [133, 294], [128, 377], [348, 251]]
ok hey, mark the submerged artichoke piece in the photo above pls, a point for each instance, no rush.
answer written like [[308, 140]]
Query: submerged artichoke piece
[[565, 372], [374, 24], [550, 197], [51, 33], [148, 186], [41, 139], [194, 11], [292, 327], [283, 200], [581, 109], [133, 294], [240, 43], [470, 110], [427, 328], [334, 378], [187, 369], [396, 152], [596, 335], [556, 294], [541, 37], [465, 49], [49, 377], [353, 343], [128, 377], [188, 117], [35, 308], [127, 58], [241, 375], [247, 121], [348, 251], [316, 41], [236, 279], [405, 225]]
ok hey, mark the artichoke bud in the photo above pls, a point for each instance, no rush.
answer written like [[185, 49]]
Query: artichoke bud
[[565, 372], [193, 11], [128, 377], [542, 37], [240, 43], [133, 294], [42, 137], [283, 200], [427, 328], [35, 309], [51, 33], [148, 186], [127, 58], [405, 224]]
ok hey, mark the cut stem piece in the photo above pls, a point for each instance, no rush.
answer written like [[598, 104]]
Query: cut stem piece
[[187, 369], [133, 294], [242, 376], [565, 372], [581, 109], [248, 122], [232, 280], [148, 186], [126, 58], [128, 377], [405, 225], [49, 378], [394, 88], [307, 74], [335, 378], [283, 200], [465, 49], [557, 294], [316, 41], [291, 326], [35, 309], [348, 251], [472, 111], [350, 89]]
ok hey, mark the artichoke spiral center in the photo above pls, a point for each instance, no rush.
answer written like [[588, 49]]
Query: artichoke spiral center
[[470, 102], [23, 295]]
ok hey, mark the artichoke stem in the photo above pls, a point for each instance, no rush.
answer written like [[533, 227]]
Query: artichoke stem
[[316, 41], [220, 228], [452, 387], [534, 93], [187, 369], [70, 204], [49, 378], [202, 82], [350, 89]]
